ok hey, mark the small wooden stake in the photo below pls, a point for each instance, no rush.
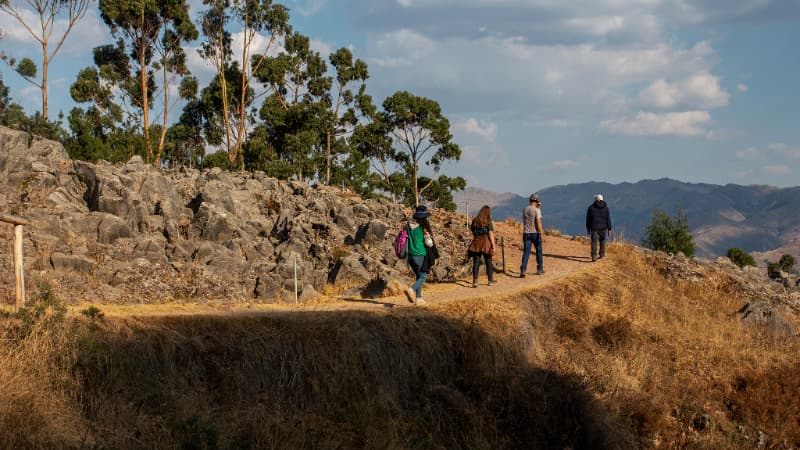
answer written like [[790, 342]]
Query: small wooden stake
[[19, 272]]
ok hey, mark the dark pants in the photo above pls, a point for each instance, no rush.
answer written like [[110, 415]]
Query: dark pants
[[476, 265], [599, 235], [528, 240]]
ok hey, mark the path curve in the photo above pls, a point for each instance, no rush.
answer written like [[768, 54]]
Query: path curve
[[562, 257]]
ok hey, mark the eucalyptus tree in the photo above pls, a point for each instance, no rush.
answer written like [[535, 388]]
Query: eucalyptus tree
[[373, 142], [260, 24], [344, 106], [48, 13], [421, 135], [294, 109], [148, 28], [106, 128]]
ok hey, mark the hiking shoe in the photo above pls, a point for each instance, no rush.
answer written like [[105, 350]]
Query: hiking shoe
[[420, 301], [492, 282], [522, 275], [540, 272], [410, 294], [474, 285]]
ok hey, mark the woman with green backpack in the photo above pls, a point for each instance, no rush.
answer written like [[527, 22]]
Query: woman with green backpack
[[420, 250]]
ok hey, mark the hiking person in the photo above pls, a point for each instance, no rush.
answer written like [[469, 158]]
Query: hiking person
[[532, 235], [482, 244], [598, 225], [420, 241]]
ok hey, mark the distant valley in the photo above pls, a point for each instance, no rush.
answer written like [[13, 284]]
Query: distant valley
[[763, 220]]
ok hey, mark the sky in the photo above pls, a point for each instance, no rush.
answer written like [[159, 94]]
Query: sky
[[550, 92]]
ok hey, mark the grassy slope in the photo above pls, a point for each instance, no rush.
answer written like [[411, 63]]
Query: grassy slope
[[618, 358]]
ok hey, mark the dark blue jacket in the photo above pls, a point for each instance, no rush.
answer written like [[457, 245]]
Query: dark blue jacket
[[598, 217]]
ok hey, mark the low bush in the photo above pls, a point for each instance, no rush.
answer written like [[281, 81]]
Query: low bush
[[740, 257]]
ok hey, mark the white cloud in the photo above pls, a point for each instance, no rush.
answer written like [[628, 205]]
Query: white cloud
[[785, 150], [572, 78], [321, 47], [556, 123], [564, 164], [778, 170], [309, 7], [689, 123], [401, 48], [699, 90], [748, 153], [741, 87], [477, 139], [724, 134], [472, 126]]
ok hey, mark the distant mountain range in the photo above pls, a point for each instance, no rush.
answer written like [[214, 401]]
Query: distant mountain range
[[763, 220]]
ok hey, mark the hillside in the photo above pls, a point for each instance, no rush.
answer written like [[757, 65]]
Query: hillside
[[161, 315], [754, 218], [642, 351]]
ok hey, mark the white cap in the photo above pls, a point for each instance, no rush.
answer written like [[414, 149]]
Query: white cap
[[599, 197]]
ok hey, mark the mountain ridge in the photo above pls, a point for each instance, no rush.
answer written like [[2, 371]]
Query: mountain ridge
[[756, 218]]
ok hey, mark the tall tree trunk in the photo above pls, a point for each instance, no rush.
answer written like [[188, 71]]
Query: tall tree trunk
[[226, 118], [242, 95], [164, 123], [45, 64], [416, 185], [145, 105], [328, 159]]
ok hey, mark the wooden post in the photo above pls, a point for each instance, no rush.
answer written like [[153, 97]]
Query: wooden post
[[19, 271], [19, 262], [503, 252]]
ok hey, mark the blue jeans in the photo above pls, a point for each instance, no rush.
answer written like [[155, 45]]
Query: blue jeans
[[415, 262], [529, 239], [599, 236]]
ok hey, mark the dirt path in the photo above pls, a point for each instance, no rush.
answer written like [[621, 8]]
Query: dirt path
[[562, 257]]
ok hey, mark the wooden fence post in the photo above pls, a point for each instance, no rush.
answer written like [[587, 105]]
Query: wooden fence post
[[19, 262], [19, 270]]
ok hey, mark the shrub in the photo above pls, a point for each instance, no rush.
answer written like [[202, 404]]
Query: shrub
[[218, 159], [669, 235], [774, 270], [787, 263], [740, 257], [45, 310]]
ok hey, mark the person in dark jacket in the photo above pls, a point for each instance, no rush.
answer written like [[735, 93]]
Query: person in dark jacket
[[598, 225]]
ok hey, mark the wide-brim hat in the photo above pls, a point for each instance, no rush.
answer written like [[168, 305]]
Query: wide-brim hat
[[421, 212]]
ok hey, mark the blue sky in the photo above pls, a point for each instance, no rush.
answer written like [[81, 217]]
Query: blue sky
[[549, 92]]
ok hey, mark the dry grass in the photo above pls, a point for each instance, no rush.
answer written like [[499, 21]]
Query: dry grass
[[619, 358]]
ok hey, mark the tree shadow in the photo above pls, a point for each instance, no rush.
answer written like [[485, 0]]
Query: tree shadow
[[342, 379]]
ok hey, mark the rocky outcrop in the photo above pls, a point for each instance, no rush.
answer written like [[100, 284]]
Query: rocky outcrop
[[135, 233], [767, 300]]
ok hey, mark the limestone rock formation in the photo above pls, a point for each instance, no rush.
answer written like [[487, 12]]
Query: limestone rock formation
[[135, 233]]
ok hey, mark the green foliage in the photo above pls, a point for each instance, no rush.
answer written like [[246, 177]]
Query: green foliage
[[45, 310], [218, 159], [669, 235], [27, 68], [421, 133], [93, 313], [149, 36], [774, 270], [787, 263], [740, 257], [441, 191], [294, 115]]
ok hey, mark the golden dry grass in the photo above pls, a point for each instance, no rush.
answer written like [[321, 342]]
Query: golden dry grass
[[620, 357]]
